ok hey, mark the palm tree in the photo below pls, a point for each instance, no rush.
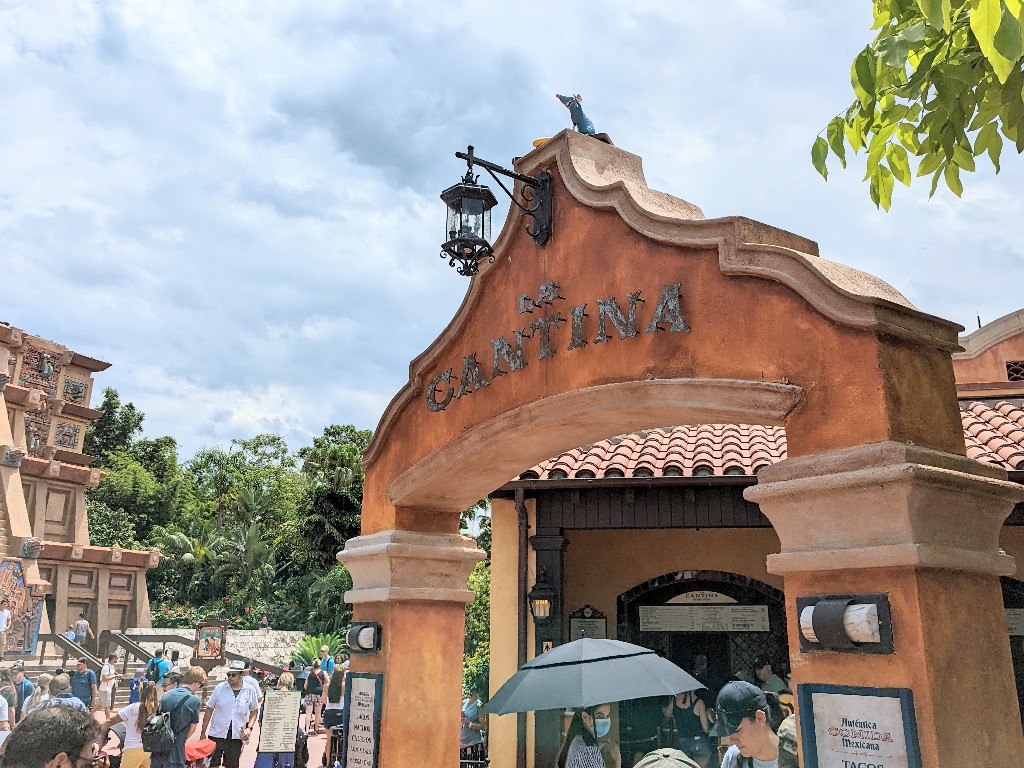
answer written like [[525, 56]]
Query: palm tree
[[242, 560]]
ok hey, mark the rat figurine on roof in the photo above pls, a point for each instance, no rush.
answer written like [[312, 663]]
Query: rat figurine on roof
[[580, 121]]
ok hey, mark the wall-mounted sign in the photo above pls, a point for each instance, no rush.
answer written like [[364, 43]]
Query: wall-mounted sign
[[588, 622], [843, 726], [704, 618], [280, 721], [701, 596], [364, 697], [480, 367], [1015, 621]]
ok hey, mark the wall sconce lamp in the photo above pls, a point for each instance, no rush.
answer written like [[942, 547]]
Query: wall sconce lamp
[[363, 637], [469, 212], [541, 597], [845, 623]]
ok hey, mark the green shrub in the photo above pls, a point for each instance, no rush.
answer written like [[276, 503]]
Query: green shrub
[[476, 671], [308, 648]]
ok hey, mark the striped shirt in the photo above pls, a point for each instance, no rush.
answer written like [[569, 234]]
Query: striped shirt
[[583, 755]]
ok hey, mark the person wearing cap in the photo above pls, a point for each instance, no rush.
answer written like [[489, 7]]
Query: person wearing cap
[[83, 683], [251, 681], [665, 757], [788, 751], [231, 713], [135, 685], [61, 695], [741, 720], [23, 686], [766, 677]]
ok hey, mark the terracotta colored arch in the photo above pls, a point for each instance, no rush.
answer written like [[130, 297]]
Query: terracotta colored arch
[[641, 313]]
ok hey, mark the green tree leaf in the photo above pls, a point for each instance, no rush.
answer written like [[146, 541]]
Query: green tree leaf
[[819, 152], [899, 163], [937, 12], [862, 76], [836, 138], [952, 176]]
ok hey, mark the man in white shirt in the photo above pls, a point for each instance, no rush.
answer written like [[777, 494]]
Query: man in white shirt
[[5, 624], [231, 713], [251, 681], [108, 682]]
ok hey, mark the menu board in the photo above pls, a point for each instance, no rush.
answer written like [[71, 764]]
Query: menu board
[[1015, 621], [280, 721], [844, 726], [596, 629], [704, 618], [363, 702]]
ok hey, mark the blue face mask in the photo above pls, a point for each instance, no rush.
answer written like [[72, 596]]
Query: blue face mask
[[602, 725]]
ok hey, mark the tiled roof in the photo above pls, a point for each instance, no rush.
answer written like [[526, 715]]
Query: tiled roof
[[994, 435]]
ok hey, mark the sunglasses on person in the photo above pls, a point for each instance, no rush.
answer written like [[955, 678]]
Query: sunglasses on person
[[234, 674]]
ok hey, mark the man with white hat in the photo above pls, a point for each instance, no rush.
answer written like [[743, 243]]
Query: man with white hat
[[231, 713]]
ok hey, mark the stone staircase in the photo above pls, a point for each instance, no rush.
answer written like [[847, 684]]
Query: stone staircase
[[272, 648]]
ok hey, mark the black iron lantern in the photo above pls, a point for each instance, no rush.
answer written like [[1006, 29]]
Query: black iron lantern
[[469, 224], [469, 213], [541, 598]]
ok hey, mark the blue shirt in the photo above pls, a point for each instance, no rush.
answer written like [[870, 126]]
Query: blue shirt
[[163, 666], [327, 665], [25, 688], [82, 683], [135, 689], [181, 719]]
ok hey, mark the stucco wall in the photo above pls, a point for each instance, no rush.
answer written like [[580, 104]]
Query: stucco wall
[[601, 565]]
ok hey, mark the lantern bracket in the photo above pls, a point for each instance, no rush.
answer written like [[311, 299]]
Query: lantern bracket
[[535, 192]]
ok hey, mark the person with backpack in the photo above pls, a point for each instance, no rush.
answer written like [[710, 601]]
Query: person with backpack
[[231, 713], [312, 696], [157, 667], [165, 734], [134, 717]]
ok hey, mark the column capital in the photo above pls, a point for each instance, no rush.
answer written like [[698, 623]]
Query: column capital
[[886, 504], [410, 565]]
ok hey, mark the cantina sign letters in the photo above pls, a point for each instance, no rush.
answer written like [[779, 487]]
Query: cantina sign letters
[[505, 357]]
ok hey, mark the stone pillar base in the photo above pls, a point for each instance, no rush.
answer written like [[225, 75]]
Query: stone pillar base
[[414, 584], [923, 527]]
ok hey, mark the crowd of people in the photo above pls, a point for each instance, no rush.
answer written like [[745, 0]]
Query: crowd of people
[[749, 722], [77, 707]]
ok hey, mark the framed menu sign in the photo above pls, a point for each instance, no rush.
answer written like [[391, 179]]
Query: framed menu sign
[[280, 721], [842, 726], [364, 697]]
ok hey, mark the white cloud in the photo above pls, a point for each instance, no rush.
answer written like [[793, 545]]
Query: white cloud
[[236, 203]]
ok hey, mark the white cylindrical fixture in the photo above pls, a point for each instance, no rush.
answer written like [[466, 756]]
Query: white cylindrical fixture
[[860, 622]]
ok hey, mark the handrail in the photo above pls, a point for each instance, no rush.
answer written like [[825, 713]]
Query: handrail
[[70, 648], [125, 639]]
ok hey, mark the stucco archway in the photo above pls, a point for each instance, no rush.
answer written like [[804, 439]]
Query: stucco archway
[[641, 313]]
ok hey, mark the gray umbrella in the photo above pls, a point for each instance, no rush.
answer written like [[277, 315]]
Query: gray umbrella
[[588, 672]]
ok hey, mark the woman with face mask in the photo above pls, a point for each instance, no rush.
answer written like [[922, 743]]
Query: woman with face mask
[[580, 748]]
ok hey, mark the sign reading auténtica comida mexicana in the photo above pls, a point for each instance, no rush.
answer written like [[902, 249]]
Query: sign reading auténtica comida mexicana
[[848, 727], [507, 356]]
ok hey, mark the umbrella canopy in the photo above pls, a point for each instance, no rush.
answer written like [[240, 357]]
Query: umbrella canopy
[[587, 672]]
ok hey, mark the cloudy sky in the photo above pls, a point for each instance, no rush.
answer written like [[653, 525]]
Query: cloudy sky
[[236, 203]]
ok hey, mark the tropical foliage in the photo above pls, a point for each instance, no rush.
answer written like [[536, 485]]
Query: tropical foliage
[[308, 648], [941, 82], [250, 529]]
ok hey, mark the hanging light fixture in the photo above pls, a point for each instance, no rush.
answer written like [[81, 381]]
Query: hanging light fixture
[[469, 213], [541, 597]]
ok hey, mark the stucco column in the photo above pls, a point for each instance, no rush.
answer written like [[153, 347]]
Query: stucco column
[[922, 526], [414, 584]]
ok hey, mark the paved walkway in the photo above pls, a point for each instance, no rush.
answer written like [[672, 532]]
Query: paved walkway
[[317, 744]]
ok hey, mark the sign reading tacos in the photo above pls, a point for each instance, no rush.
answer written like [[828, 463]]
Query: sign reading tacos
[[546, 335]]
